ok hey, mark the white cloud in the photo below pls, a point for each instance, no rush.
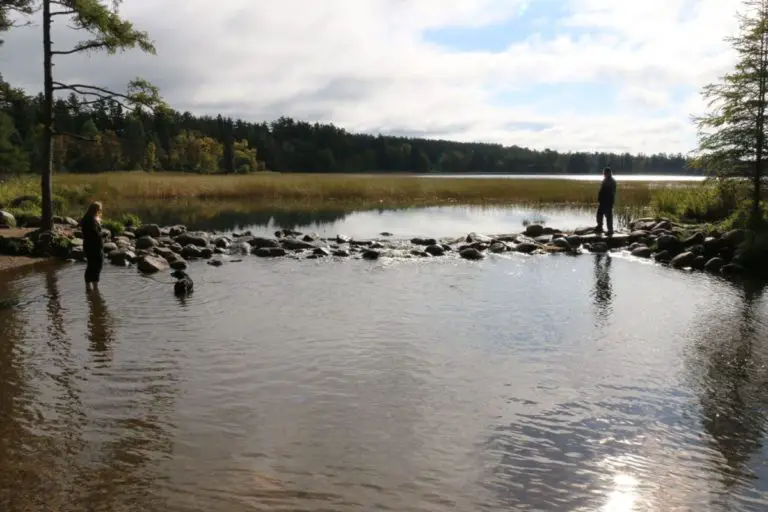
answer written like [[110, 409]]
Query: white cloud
[[366, 65]]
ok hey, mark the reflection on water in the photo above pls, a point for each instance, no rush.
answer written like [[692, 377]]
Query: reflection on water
[[515, 383], [439, 221]]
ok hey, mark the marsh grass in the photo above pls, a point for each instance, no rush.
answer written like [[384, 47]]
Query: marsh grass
[[334, 190]]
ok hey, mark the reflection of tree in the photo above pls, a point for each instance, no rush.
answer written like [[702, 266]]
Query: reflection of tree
[[602, 295], [731, 379], [100, 327]]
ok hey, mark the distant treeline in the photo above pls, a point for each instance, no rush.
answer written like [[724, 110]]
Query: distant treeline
[[102, 137]]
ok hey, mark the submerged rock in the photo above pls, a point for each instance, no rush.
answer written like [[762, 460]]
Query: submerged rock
[[642, 252], [371, 254]]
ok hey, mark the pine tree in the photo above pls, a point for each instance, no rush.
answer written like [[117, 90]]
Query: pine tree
[[108, 32], [732, 138]]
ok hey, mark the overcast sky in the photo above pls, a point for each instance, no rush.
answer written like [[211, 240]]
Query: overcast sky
[[564, 74]]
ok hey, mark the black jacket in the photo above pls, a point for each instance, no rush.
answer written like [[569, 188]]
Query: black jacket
[[92, 239], [607, 194]]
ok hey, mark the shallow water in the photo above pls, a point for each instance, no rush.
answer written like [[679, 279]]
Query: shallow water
[[438, 221], [515, 383]]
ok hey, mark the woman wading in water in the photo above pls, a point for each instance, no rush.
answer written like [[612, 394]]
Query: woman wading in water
[[93, 245]]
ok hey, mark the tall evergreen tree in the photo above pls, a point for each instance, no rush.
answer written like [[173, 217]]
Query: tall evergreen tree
[[108, 32], [732, 136]]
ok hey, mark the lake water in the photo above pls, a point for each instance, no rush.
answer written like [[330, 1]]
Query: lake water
[[595, 383], [575, 177]]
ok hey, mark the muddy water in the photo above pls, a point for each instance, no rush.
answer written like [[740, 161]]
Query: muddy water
[[515, 383]]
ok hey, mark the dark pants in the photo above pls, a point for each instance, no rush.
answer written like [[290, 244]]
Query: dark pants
[[95, 261], [605, 210]]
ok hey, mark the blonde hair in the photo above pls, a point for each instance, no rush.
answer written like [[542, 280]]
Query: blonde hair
[[94, 209]]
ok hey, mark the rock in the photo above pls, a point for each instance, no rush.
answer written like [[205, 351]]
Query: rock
[[191, 251], [216, 263], [695, 239], [198, 239], [682, 260], [152, 230], [385, 233], [424, 241], [584, 231], [177, 230], [7, 220], [732, 269], [543, 239], [526, 247], [127, 234], [16, 246], [477, 237], [258, 242], [638, 235], [562, 243], [222, 242], [507, 238], [599, 247], [370, 254], [662, 225], [312, 237], [321, 252], [498, 247], [293, 244], [341, 253], [574, 241], [435, 250], [269, 252], [206, 252], [662, 257], [166, 253], [698, 263], [121, 257], [342, 239], [642, 252], [176, 247], [219, 250], [714, 265], [109, 247], [420, 254], [471, 253], [534, 230], [734, 237], [643, 224], [122, 242], [151, 264], [360, 243], [669, 243], [287, 232], [617, 240], [712, 246], [146, 242], [179, 264], [376, 245]]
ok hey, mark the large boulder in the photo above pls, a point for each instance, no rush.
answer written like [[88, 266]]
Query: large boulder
[[121, 257], [695, 239], [146, 242], [151, 264], [435, 250], [198, 239], [534, 230], [7, 220], [152, 230], [669, 243], [470, 253], [371, 254], [714, 265], [683, 260], [424, 241], [699, 263], [642, 252]]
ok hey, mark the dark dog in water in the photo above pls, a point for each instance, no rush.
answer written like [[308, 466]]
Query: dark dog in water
[[184, 284]]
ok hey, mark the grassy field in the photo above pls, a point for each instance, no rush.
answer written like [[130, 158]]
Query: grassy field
[[317, 192]]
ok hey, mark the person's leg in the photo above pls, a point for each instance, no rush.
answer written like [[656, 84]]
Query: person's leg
[[609, 219], [599, 218]]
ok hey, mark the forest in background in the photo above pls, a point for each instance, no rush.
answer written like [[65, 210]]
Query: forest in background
[[103, 137]]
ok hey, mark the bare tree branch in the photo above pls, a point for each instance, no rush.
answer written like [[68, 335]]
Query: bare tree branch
[[63, 13], [81, 48], [73, 135]]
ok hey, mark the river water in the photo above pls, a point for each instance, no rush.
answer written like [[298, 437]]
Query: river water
[[595, 383]]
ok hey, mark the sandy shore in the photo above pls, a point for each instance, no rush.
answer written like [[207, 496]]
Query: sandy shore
[[14, 262]]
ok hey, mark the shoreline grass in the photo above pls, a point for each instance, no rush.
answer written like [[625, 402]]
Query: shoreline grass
[[323, 191]]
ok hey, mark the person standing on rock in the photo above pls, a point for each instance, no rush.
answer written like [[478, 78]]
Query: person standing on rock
[[605, 199], [93, 245]]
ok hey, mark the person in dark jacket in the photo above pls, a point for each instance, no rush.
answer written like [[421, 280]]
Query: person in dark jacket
[[605, 200], [93, 244]]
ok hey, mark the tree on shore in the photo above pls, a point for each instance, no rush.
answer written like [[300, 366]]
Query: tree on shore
[[108, 32], [9, 7], [732, 136]]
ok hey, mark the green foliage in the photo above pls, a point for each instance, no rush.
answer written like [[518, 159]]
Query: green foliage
[[115, 227], [741, 216], [130, 220], [13, 158], [7, 7], [705, 203], [732, 136]]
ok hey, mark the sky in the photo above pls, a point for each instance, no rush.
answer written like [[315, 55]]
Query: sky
[[569, 75]]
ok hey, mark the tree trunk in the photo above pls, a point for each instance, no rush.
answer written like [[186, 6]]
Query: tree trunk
[[47, 150]]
